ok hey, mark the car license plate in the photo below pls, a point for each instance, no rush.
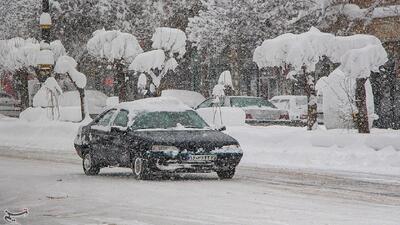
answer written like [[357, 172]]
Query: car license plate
[[198, 158]]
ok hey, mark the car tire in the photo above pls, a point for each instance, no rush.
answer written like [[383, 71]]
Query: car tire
[[226, 174], [140, 168], [89, 165]]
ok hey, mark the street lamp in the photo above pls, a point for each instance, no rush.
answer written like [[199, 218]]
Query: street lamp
[[45, 59]]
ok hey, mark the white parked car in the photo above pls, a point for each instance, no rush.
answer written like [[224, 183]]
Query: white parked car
[[9, 106], [189, 98], [257, 109], [96, 101], [296, 105]]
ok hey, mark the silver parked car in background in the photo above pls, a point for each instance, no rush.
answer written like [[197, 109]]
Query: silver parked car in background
[[257, 109], [9, 106]]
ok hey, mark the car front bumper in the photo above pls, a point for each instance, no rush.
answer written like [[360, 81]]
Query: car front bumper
[[159, 161]]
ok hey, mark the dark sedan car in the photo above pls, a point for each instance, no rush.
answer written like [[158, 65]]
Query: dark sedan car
[[156, 135]]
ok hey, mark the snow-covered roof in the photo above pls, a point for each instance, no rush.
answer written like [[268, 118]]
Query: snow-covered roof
[[158, 104]]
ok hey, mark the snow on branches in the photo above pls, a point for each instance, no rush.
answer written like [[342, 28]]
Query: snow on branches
[[358, 63], [67, 65], [18, 53], [170, 40], [306, 49], [114, 45], [168, 44]]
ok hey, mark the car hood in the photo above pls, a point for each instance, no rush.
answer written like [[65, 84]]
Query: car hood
[[187, 139]]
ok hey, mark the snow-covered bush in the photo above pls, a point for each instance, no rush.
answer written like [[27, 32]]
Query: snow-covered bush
[[338, 92]]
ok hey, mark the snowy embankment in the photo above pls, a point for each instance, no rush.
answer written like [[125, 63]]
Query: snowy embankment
[[289, 147], [39, 135], [344, 150]]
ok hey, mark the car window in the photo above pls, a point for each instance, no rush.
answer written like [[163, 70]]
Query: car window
[[165, 120], [274, 100], [301, 101], [105, 119], [207, 103], [248, 102], [121, 119], [284, 103], [3, 95]]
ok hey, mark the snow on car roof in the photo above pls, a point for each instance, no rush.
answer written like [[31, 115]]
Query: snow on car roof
[[156, 104], [243, 96], [288, 96]]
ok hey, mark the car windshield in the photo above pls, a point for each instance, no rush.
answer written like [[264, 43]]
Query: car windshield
[[166, 120], [246, 102]]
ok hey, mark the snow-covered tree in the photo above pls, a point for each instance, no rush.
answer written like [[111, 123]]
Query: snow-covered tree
[[234, 28], [169, 45], [357, 54], [21, 56], [67, 65], [117, 48]]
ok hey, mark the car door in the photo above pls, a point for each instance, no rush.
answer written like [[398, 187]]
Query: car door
[[98, 136], [118, 140]]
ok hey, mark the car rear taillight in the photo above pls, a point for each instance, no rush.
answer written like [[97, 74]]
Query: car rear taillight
[[248, 116], [284, 116], [303, 117]]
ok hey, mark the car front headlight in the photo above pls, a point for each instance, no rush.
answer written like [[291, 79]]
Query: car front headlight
[[228, 149], [167, 149]]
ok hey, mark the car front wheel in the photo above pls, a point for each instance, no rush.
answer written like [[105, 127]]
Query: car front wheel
[[140, 168], [89, 165], [226, 174]]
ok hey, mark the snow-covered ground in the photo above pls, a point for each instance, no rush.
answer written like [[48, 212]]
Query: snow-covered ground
[[60, 194], [287, 147]]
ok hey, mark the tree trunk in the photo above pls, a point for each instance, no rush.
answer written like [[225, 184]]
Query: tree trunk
[[81, 92], [22, 81], [312, 100], [361, 104], [120, 87], [233, 58], [82, 98]]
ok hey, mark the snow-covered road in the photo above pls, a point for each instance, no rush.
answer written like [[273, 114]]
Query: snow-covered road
[[59, 193]]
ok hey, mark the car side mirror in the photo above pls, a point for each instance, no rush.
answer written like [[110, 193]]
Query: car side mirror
[[222, 128], [116, 129]]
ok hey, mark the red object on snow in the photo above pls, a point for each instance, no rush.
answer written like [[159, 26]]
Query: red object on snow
[[108, 81]]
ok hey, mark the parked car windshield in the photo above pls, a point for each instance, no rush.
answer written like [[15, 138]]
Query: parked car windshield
[[165, 120], [246, 102]]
